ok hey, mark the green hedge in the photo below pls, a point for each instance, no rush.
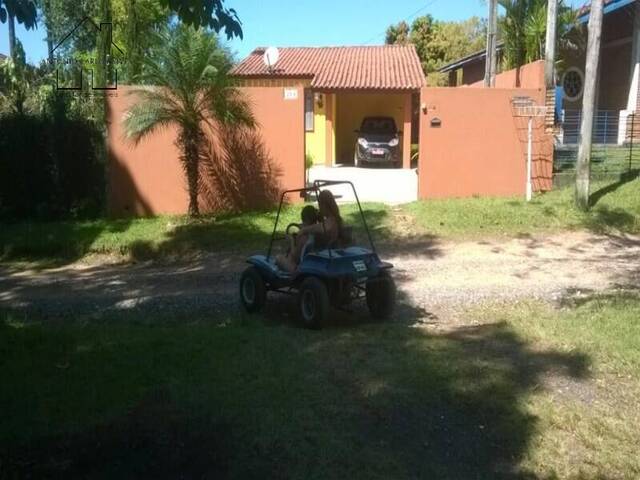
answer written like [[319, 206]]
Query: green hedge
[[50, 168]]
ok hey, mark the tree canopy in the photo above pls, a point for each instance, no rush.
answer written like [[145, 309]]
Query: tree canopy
[[24, 11], [523, 28], [207, 13], [437, 42]]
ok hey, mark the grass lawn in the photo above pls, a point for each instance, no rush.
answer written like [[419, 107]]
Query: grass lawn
[[526, 392], [617, 208]]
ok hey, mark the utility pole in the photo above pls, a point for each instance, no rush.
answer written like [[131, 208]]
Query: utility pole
[[583, 165], [550, 45], [492, 33]]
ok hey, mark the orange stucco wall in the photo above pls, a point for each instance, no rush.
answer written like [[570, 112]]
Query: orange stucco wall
[[479, 147], [148, 179]]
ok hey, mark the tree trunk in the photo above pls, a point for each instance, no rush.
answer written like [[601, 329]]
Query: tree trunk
[[102, 70], [550, 45], [12, 36], [48, 24], [189, 141], [193, 178], [583, 166]]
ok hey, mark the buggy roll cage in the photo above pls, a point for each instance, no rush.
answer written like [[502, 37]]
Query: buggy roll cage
[[316, 188]]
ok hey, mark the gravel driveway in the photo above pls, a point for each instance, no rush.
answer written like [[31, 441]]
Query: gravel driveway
[[433, 278]]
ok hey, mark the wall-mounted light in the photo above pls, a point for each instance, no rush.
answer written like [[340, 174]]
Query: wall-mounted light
[[423, 107], [319, 99]]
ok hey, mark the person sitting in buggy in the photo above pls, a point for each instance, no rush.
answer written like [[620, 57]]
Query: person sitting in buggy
[[289, 262], [328, 230]]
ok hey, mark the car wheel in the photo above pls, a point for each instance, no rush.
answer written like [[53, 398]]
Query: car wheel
[[253, 291], [381, 296], [313, 303]]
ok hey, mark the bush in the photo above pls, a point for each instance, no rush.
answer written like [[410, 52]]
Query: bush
[[50, 168]]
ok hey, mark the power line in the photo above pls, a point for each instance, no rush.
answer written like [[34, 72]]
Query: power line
[[420, 10]]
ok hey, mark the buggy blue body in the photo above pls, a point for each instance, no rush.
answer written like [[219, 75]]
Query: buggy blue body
[[356, 264]]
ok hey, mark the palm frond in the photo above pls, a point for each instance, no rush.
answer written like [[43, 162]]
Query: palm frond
[[154, 111]]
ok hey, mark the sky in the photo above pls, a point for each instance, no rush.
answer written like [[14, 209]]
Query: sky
[[302, 22], [284, 23]]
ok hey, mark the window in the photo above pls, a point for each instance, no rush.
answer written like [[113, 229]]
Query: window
[[308, 111], [572, 84]]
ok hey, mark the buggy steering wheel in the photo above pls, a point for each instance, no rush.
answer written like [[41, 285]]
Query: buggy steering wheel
[[291, 225]]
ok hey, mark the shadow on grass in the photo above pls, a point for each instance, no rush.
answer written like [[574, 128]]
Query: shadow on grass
[[195, 284], [51, 244], [381, 401], [243, 234], [603, 219], [624, 179]]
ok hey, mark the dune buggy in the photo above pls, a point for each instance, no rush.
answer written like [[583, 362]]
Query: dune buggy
[[330, 275]]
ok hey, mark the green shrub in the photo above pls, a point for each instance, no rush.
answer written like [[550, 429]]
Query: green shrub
[[51, 168]]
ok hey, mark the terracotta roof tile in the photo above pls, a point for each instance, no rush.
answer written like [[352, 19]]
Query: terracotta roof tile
[[386, 67]]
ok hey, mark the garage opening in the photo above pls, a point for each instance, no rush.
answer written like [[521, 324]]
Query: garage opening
[[353, 108]]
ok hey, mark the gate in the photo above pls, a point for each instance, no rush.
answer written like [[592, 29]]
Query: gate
[[472, 144]]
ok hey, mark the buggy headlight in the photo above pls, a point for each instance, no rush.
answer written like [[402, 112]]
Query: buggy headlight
[[393, 142], [363, 142]]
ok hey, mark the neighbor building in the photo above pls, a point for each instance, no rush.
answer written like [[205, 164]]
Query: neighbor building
[[618, 82]]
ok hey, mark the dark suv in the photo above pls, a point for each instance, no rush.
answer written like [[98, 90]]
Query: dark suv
[[377, 142]]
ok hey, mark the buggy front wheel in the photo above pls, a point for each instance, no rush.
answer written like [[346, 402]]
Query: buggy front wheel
[[381, 296], [253, 291], [313, 302]]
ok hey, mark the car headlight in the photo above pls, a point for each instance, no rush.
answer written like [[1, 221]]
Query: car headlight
[[363, 142], [393, 142]]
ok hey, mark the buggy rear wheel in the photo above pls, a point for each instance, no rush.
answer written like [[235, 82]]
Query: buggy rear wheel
[[253, 291], [381, 296], [313, 302]]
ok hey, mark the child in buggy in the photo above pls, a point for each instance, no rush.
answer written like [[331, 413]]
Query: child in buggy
[[289, 262]]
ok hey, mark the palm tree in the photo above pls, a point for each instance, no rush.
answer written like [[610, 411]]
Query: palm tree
[[188, 87], [523, 29]]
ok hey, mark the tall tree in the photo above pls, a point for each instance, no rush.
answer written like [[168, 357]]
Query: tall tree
[[398, 34], [550, 45], [103, 63], [207, 13], [192, 89], [12, 35], [438, 43], [523, 29], [24, 11], [583, 166]]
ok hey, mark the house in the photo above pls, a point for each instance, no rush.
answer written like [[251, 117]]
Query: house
[[616, 120], [618, 81], [471, 141], [3, 57], [470, 69], [342, 85]]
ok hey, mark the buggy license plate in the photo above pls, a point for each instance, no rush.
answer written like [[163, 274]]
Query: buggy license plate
[[359, 266], [377, 151]]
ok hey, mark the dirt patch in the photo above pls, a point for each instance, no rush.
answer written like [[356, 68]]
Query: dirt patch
[[435, 279]]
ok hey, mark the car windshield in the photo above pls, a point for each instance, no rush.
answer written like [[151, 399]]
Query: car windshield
[[382, 125]]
